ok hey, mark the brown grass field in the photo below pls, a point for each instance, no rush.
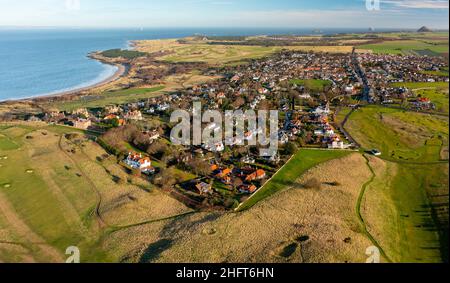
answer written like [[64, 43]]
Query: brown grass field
[[296, 225]]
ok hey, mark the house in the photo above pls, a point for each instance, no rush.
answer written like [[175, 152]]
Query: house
[[204, 188], [235, 78], [110, 117], [138, 161], [214, 167], [257, 175], [83, 124], [322, 110], [305, 96], [112, 109], [248, 189], [134, 115], [319, 132], [163, 107], [350, 89], [224, 173], [248, 160], [152, 135], [34, 119], [284, 138], [218, 147], [81, 112], [424, 100], [336, 145]]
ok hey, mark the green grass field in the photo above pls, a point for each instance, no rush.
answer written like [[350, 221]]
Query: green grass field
[[443, 73], [421, 85], [304, 160], [408, 47], [397, 209], [6, 143], [110, 98], [398, 205], [50, 199], [128, 54], [399, 135], [313, 85], [218, 54], [51, 187]]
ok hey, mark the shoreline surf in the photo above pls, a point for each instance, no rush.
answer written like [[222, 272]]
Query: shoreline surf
[[121, 71]]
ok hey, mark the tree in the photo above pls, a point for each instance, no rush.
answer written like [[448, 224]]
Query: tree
[[237, 182], [157, 148], [238, 103], [115, 122], [199, 167], [290, 148], [167, 178], [312, 183]]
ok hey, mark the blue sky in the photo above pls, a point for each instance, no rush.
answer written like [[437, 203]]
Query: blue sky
[[224, 13]]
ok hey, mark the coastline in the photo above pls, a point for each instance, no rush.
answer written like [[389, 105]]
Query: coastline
[[122, 70]]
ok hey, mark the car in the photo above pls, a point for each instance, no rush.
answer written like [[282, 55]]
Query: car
[[375, 152]]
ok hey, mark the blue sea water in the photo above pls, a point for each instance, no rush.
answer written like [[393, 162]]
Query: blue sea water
[[36, 62]]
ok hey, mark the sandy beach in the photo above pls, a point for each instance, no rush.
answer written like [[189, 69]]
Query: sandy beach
[[122, 70]]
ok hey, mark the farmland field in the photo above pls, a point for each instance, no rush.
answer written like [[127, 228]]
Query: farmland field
[[406, 47]]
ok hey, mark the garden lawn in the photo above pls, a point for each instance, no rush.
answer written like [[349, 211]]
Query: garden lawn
[[301, 162]]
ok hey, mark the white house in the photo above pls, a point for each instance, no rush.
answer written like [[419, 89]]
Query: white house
[[336, 145], [138, 161], [218, 147]]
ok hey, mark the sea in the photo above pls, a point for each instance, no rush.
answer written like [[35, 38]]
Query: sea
[[45, 61]]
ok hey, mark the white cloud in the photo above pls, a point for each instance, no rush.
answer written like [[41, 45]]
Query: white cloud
[[348, 18], [418, 4]]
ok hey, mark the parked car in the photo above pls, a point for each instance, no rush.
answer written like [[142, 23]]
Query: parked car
[[375, 152]]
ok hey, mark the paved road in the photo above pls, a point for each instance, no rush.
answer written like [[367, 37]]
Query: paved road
[[361, 74]]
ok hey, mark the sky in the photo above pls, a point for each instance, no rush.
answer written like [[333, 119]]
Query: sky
[[226, 13]]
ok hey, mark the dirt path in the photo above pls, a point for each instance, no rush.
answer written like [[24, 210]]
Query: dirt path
[[22, 229], [359, 215]]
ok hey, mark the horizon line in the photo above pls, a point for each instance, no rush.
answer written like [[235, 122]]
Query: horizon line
[[216, 27]]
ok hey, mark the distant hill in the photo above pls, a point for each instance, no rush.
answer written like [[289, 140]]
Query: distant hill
[[424, 29]]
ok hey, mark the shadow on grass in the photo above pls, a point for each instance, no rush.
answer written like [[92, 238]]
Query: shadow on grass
[[154, 250]]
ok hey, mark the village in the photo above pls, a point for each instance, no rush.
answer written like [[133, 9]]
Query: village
[[306, 88], [384, 72]]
